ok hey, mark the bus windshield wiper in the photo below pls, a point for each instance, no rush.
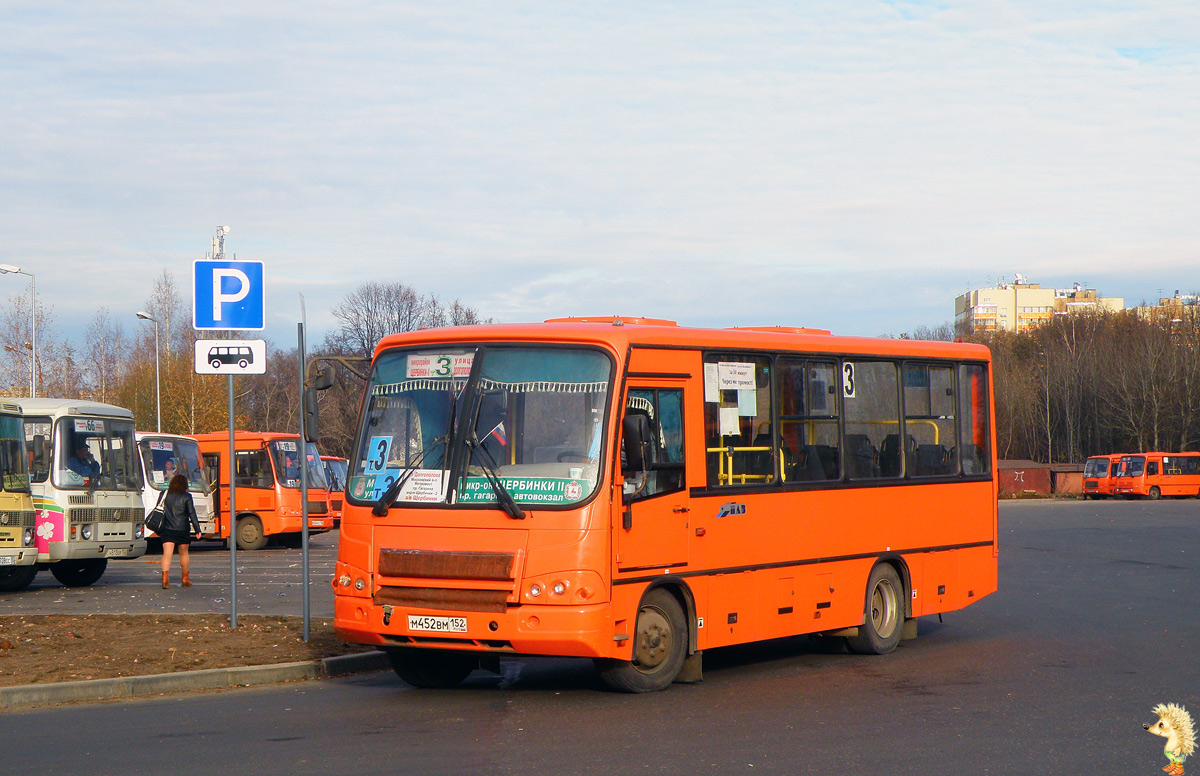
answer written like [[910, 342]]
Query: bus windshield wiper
[[491, 472], [389, 496]]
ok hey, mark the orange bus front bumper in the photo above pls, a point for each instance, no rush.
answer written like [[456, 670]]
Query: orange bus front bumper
[[576, 631]]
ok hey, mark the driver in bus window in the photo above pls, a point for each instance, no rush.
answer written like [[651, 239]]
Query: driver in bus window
[[82, 463], [169, 469], [291, 469]]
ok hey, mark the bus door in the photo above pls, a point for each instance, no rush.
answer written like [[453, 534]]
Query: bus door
[[653, 529], [213, 462]]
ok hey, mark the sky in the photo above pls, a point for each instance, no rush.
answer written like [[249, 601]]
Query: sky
[[852, 166]]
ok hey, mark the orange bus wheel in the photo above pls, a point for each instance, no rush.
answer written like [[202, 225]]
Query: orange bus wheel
[[250, 534], [883, 619], [659, 647], [1155, 493], [431, 669]]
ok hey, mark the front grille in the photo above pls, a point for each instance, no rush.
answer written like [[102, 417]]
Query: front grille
[[105, 514], [337, 505], [465, 578], [19, 518], [446, 565], [442, 598], [80, 500]]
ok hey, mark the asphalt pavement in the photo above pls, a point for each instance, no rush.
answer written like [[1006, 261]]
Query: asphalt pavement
[[269, 582], [1054, 674]]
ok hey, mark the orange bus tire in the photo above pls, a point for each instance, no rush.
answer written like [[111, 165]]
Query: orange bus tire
[[432, 669], [883, 618], [659, 648]]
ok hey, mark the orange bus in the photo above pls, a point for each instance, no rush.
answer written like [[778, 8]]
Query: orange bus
[[268, 487], [335, 477], [637, 492], [1099, 475], [1154, 475]]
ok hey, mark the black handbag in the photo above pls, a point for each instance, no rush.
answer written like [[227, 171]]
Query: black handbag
[[157, 516]]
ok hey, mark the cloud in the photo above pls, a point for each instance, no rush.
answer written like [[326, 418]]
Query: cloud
[[713, 162]]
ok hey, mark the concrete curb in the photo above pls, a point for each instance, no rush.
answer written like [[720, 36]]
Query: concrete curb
[[187, 681]]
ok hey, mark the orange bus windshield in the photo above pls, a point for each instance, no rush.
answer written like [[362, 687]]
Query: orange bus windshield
[[465, 425]]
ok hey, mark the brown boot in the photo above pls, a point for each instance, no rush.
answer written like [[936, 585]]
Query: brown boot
[[166, 584], [186, 582]]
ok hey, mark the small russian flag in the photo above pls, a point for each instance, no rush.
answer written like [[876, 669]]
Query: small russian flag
[[498, 432]]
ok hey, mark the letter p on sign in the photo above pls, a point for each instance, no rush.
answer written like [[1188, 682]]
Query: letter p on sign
[[228, 295]]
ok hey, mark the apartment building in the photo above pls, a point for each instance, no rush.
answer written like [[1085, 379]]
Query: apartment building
[[1021, 305]]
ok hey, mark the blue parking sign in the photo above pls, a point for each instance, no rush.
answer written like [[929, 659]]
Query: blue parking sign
[[228, 295]]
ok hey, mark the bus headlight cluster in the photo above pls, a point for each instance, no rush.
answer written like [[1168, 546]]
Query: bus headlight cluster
[[85, 533], [568, 587], [140, 532], [28, 538]]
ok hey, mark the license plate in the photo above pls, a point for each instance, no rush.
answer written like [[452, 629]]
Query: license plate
[[420, 622], [116, 553], [6, 560]]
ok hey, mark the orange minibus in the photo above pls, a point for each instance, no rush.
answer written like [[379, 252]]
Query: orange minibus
[[637, 492], [1099, 475], [267, 485], [1154, 475], [335, 477]]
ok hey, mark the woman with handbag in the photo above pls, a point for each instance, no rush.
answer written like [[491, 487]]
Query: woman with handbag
[[180, 524]]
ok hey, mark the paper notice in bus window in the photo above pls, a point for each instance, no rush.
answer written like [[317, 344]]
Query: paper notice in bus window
[[729, 421], [711, 392], [159, 445], [735, 376], [424, 486], [89, 426], [424, 365], [747, 403]]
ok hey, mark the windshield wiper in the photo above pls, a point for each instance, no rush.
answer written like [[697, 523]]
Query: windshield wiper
[[491, 473], [389, 496]]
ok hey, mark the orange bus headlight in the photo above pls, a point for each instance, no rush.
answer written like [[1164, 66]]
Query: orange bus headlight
[[565, 587], [348, 580]]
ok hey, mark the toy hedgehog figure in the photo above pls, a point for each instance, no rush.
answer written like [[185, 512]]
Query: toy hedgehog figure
[[1175, 725]]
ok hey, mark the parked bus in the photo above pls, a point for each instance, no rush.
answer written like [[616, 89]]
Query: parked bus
[[86, 486], [1154, 475], [268, 486], [162, 456], [335, 476], [1099, 475], [18, 550], [637, 492]]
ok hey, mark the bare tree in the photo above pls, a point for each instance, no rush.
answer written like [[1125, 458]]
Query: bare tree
[[104, 344]]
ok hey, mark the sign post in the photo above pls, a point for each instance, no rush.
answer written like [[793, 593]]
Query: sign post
[[229, 296]]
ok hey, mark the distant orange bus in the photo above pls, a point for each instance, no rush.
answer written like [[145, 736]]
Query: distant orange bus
[[1154, 475], [637, 492], [1099, 475], [267, 485], [335, 477]]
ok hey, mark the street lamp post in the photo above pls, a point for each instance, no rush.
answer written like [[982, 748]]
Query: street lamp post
[[6, 269], [145, 316]]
